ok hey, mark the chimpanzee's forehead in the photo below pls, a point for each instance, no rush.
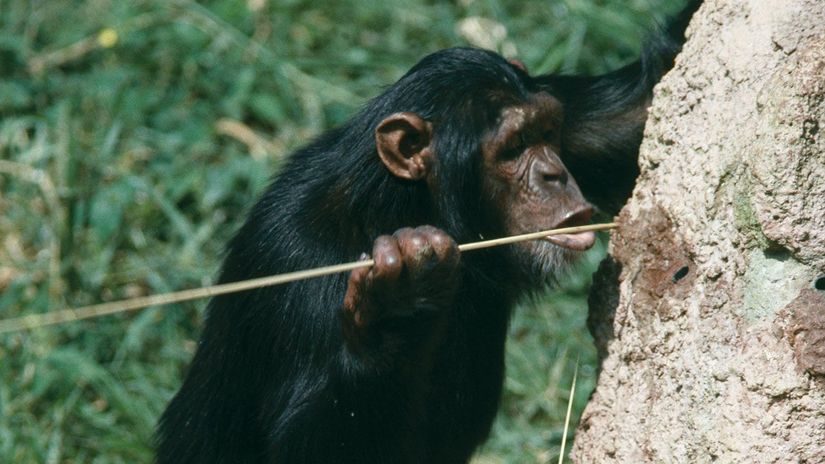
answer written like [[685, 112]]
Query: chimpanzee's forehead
[[538, 108]]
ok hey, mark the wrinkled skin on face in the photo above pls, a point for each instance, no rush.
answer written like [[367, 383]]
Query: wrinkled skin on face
[[529, 187]]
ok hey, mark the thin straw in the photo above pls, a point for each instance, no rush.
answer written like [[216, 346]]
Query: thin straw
[[85, 312]]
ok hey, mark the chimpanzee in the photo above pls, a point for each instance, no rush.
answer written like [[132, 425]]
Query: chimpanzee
[[403, 362]]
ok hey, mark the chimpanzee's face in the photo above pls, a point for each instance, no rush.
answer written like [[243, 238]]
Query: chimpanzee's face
[[526, 183]]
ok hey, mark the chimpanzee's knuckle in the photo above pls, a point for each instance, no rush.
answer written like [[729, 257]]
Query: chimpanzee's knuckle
[[387, 257], [387, 263], [427, 229], [418, 240], [442, 241], [410, 246], [403, 233], [382, 246], [383, 240]]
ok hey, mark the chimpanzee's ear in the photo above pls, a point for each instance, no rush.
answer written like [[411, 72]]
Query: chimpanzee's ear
[[403, 141]]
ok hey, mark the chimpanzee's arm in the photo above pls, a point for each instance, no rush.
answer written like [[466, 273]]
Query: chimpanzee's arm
[[368, 406], [604, 116]]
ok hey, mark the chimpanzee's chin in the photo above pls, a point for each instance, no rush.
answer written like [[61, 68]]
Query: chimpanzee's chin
[[542, 264]]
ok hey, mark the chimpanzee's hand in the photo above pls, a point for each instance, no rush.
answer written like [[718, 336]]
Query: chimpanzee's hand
[[409, 289]]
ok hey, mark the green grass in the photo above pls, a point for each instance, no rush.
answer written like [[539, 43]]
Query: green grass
[[128, 156]]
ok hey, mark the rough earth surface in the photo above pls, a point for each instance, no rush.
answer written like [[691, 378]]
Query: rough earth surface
[[710, 312]]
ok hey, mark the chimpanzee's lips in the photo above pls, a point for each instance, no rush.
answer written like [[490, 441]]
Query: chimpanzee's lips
[[580, 241]]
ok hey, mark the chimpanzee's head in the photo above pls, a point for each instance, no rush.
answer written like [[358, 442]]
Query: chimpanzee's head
[[470, 126]]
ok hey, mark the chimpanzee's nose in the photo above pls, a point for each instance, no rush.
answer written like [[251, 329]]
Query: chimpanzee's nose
[[549, 171]]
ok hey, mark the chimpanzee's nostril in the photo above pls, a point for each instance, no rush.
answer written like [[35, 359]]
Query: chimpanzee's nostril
[[547, 171]]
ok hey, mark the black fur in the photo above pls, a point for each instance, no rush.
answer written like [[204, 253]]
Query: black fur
[[272, 380]]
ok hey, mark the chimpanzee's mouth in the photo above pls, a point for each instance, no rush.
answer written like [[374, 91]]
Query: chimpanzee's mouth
[[580, 241]]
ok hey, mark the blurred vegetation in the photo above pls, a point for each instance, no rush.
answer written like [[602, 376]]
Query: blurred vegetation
[[134, 135]]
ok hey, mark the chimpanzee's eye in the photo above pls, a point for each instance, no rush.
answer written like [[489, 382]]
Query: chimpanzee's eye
[[515, 148]]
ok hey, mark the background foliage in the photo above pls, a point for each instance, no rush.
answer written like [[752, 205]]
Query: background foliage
[[133, 136]]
